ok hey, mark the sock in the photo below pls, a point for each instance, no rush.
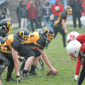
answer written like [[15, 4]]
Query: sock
[[32, 68], [25, 71], [22, 66]]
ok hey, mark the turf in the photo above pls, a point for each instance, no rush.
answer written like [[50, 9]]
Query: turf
[[59, 59]]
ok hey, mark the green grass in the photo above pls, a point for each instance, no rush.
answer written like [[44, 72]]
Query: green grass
[[59, 59]]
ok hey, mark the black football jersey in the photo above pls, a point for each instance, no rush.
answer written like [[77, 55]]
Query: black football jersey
[[16, 44], [2, 33], [36, 40], [63, 15]]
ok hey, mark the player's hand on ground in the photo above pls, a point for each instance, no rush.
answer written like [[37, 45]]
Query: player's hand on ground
[[54, 71], [18, 79]]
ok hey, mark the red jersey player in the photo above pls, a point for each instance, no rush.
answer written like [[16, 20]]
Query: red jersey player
[[75, 49], [81, 39]]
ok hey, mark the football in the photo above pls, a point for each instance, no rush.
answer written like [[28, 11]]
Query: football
[[51, 73]]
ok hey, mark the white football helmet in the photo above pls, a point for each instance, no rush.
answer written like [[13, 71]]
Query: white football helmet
[[73, 47], [72, 36]]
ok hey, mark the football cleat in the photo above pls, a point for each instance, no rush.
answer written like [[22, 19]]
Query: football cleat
[[25, 76], [33, 73], [10, 79]]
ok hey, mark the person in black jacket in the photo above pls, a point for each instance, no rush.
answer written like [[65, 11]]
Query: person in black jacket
[[76, 11]]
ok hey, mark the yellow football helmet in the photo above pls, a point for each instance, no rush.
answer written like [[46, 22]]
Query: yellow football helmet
[[68, 9], [22, 34], [6, 25], [48, 33]]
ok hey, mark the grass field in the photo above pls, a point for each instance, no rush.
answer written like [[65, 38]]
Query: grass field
[[59, 59]]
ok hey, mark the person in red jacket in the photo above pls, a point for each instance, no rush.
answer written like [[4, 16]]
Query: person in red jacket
[[28, 6], [83, 5], [57, 9], [32, 15]]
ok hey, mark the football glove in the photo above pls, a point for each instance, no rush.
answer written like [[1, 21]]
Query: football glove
[[75, 78], [21, 59], [18, 79]]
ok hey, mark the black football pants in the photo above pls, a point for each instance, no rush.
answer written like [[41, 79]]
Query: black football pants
[[82, 76], [58, 28]]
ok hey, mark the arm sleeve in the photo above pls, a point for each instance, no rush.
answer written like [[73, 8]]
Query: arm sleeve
[[78, 66], [61, 8], [53, 9]]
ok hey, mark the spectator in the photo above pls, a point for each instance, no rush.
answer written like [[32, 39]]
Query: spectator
[[18, 13], [23, 12], [76, 13], [28, 6], [40, 13], [57, 9], [4, 12], [47, 13], [83, 5], [51, 17], [32, 15]]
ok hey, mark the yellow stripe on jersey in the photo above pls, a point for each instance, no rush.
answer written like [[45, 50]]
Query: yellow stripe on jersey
[[9, 40]]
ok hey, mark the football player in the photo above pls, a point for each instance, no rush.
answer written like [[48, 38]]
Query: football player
[[18, 49], [75, 49], [40, 60], [6, 60], [37, 40], [6, 27], [59, 24], [81, 38]]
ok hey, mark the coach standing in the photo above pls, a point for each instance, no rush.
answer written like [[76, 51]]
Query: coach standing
[[76, 11]]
